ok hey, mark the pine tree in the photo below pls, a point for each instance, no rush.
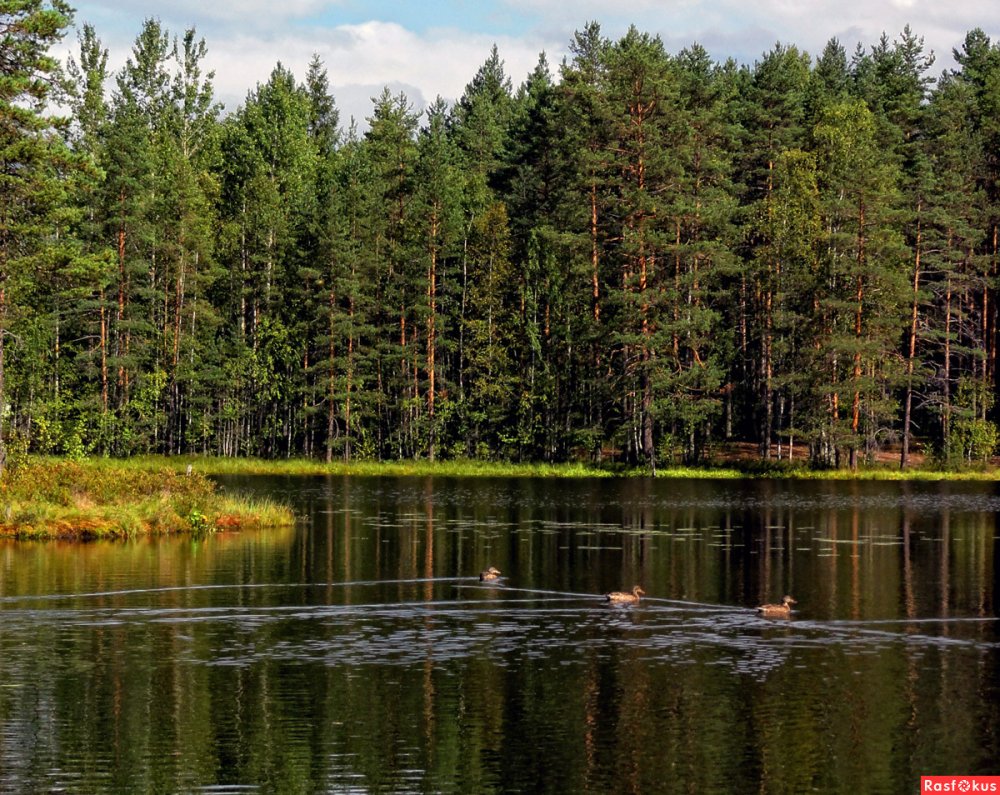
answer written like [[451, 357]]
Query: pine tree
[[979, 60], [581, 224], [774, 116], [959, 258], [795, 242], [269, 170], [480, 124], [131, 194], [896, 87], [490, 321], [87, 138], [392, 152], [320, 253], [643, 89], [31, 153], [352, 314], [691, 370], [864, 275], [530, 191], [437, 221], [188, 153]]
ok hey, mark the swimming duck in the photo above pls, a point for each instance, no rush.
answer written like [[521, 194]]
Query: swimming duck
[[784, 609], [619, 597], [492, 573]]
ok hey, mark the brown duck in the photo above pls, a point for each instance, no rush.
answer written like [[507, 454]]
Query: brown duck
[[492, 573], [622, 598], [778, 611]]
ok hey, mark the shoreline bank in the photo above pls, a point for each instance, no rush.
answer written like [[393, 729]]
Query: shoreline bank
[[98, 498]]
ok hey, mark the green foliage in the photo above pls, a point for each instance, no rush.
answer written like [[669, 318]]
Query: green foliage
[[972, 441], [197, 521], [88, 498], [632, 259], [33, 158]]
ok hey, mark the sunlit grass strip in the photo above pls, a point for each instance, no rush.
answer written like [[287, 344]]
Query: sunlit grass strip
[[464, 468], [49, 498], [106, 474], [460, 468], [248, 513], [888, 473], [701, 473]]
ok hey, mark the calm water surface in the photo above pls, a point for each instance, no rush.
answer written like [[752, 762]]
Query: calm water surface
[[358, 652]]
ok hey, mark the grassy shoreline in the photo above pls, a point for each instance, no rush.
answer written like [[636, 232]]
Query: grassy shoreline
[[44, 497], [748, 470], [51, 498]]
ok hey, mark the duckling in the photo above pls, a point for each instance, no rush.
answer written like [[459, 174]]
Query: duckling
[[778, 611], [492, 573], [621, 598]]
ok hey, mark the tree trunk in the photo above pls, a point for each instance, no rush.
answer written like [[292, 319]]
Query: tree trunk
[[104, 355], [946, 387], [904, 458], [331, 422], [431, 339], [3, 343], [860, 295], [594, 275], [121, 346], [348, 385]]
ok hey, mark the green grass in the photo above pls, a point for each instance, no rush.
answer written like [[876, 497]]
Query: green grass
[[751, 469], [52, 498], [458, 468], [105, 498]]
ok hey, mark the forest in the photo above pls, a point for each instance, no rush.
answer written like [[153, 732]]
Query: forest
[[629, 257]]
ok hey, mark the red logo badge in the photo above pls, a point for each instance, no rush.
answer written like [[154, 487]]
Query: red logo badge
[[960, 784]]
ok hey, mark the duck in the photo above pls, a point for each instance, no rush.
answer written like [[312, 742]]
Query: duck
[[622, 598], [492, 573], [784, 609]]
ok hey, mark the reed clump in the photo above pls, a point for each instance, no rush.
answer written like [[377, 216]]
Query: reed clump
[[52, 498]]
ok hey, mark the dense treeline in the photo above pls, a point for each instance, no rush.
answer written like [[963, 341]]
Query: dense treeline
[[633, 257]]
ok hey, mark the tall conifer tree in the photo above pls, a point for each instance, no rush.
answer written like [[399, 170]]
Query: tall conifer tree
[[31, 153]]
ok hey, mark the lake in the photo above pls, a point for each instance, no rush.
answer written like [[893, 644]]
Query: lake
[[358, 651]]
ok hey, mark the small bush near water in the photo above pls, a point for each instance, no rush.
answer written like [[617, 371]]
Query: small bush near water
[[65, 499]]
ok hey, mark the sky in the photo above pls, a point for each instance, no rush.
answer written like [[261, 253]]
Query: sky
[[430, 48]]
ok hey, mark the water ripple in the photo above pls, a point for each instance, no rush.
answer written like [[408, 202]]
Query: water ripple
[[468, 621]]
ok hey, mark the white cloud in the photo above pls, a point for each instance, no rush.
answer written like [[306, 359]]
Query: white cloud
[[246, 39], [747, 29], [360, 60], [247, 14]]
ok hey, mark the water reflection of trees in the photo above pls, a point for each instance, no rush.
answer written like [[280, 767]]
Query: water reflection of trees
[[149, 701]]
